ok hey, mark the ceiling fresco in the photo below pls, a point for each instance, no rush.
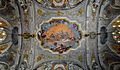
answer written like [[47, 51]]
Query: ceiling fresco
[[59, 34]]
